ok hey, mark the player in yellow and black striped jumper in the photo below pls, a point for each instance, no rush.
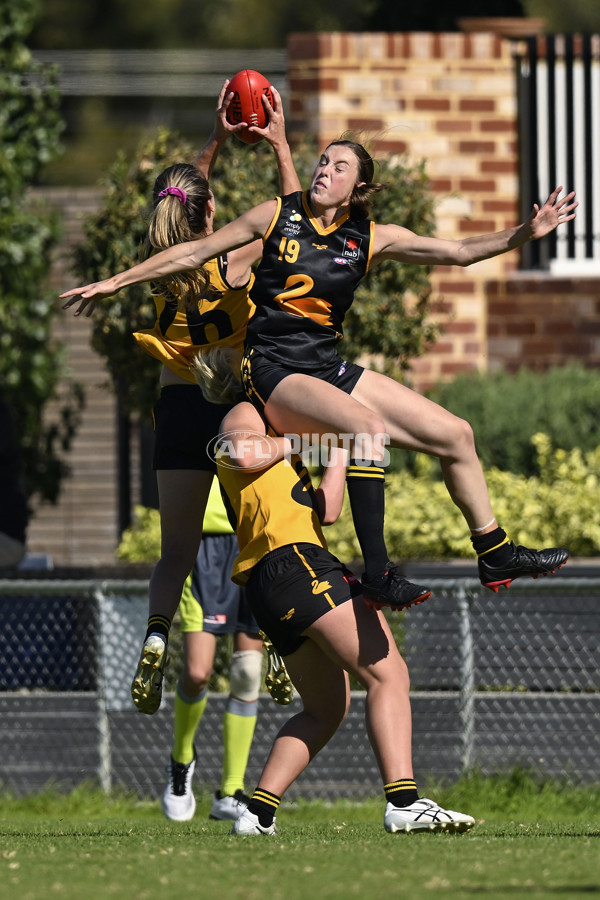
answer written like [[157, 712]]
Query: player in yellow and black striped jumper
[[312, 609], [208, 306]]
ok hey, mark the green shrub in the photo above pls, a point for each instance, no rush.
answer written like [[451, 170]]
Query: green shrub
[[141, 542], [505, 411], [557, 508]]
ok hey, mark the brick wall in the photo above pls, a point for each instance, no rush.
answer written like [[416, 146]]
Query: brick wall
[[449, 99], [82, 529], [537, 321]]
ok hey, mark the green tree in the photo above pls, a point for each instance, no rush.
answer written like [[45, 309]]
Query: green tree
[[31, 362], [65, 24], [388, 318], [247, 24]]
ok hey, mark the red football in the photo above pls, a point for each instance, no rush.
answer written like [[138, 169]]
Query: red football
[[246, 105]]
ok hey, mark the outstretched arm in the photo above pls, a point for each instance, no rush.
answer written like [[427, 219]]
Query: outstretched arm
[[402, 245], [191, 255], [274, 132], [178, 258]]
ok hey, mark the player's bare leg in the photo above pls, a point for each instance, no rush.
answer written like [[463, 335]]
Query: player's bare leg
[[183, 494]]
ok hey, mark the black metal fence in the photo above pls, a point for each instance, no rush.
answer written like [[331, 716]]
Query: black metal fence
[[559, 129], [498, 681]]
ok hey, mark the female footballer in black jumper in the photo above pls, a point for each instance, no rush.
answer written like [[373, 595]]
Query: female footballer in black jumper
[[317, 247]]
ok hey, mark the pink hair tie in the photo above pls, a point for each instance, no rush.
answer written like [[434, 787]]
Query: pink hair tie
[[176, 192]]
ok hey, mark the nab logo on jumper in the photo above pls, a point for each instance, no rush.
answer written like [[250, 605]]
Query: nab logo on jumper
[[352, 248]]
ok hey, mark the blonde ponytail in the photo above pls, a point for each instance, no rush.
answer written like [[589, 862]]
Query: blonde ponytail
[[217, 374]]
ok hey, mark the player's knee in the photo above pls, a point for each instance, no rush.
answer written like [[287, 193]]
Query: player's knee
[[368, 431], [195, 678], [331, 715], [244, 674], [196, 673], [460, 438], [368, 422]]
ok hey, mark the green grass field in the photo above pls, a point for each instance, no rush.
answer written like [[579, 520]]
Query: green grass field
[[540, 839]]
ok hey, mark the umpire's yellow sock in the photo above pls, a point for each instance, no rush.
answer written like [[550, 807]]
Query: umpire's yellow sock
[[188, 713], [239, 723]]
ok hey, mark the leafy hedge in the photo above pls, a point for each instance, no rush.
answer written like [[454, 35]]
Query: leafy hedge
[[505, 411], [557, 508]]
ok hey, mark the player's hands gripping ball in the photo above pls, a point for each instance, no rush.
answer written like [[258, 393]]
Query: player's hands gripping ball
[[246, 105]]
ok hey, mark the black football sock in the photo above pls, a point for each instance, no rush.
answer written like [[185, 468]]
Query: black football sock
[[264, 805], [158, 625], [366, 484], [494, 545], [402, 792]]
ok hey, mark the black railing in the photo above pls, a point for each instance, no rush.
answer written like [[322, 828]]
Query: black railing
[[558, 80]]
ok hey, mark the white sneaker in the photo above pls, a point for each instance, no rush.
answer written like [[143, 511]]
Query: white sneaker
[[225, 806], [248, 824], [178, 801], [146, 687], [425, 815]]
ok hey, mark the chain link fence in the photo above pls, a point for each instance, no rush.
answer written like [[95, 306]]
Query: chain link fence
[[523, 666], [498, 680]]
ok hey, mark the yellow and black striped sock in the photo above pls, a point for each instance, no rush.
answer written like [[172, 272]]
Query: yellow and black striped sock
[[494, 545], [365, 479], [264, 805], [402, 792], [158, 625]]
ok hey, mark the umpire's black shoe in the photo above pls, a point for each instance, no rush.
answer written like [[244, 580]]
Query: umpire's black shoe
[[393, 590], [523, 562]]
